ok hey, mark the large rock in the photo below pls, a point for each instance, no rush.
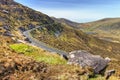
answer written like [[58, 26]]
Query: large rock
[[84, 58]]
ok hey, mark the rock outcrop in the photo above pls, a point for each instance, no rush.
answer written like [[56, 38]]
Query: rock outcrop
[[84, 58], [4, 2], [109, 73]]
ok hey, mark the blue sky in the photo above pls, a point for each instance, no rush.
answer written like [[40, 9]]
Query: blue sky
[[76, 10]]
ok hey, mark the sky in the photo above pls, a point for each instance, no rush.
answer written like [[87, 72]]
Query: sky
[[76, 10]]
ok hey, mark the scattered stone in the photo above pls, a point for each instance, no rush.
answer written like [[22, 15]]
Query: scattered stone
[[22, 29], [7, 33], [31, 26], [28, 40], [5, 11], [109, 73], [6, 28]]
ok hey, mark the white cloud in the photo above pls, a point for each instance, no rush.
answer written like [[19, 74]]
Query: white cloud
[[75, 15]]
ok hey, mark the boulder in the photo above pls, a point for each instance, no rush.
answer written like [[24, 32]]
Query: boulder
[[109, 73], [6, 27], [31, 26], [22, 29], [84, 59], [8, 33]]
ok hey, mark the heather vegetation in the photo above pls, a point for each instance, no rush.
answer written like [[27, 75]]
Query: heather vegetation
[[20, 61], [72, 39], [108, 28]]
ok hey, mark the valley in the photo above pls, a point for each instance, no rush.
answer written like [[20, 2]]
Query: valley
[[35, 46], [107, 28]]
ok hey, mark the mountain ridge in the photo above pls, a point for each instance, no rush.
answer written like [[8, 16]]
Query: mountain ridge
[[31, 19], [16, 18], [107, 28]]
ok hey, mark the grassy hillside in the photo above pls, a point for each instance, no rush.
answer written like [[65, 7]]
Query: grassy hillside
[[67, 22], [23, 62], [108, 28], [72, 39], [15, 16], [38, 54]]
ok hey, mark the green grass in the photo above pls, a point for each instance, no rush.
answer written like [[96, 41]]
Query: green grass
[[38, 54]]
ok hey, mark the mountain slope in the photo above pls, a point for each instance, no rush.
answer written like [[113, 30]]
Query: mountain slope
[[67, 22], [72, 39], [15, 17], [33, 64], [14, 65], [108, 28]]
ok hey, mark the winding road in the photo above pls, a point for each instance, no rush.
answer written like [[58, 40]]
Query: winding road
[[42, 45]]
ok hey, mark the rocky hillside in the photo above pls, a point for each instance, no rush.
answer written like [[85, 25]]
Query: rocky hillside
[[25, 62], [14, 16], [15, 65], [71, 39]]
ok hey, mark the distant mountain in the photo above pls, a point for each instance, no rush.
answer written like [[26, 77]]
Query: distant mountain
[[108, 28], [66, 21], [106, 24], [15, 17], [23, 61], [61, 34]]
